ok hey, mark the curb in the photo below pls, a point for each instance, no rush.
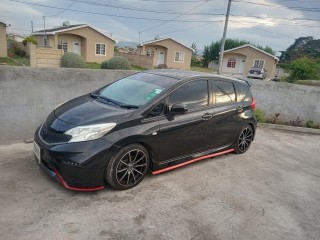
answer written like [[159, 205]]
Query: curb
[[290, 128]]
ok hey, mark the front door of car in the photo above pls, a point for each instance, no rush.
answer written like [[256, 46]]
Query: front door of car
[[190, 132]]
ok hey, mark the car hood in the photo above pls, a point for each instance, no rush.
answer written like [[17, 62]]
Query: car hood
[[84, 111]]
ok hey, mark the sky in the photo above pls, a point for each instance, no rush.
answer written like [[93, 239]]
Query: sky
[[276, 23]]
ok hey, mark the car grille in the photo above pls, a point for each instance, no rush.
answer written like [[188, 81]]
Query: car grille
[[50, 136]]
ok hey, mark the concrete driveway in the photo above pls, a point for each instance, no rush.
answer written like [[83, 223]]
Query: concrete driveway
[[270, 192]]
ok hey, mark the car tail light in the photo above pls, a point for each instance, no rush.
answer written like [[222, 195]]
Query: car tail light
[[253, 104]]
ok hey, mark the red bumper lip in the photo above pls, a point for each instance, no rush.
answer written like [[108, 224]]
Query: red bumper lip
[[192, 161], [75, 188]]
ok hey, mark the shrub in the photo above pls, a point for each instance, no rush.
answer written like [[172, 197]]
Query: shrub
[[260, 115], [303, 69], [72, 60], [116, 62], [310, 124], [273, 118], [29, 39], [104, 65], [295, 123]]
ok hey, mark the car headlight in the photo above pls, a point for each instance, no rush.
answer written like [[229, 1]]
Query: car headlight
[[90, 132]]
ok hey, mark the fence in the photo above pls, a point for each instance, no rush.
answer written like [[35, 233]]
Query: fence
[[44, 57], [138, 60]]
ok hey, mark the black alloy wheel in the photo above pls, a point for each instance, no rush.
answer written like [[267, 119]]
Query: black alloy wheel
[[244, 140], [128, 167]]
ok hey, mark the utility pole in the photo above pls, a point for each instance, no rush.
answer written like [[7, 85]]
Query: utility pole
[[31, 26], [44, 30], [224, 37]]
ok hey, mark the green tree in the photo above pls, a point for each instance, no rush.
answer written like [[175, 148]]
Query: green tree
[[303, 46], [303, 69], [194, 47]]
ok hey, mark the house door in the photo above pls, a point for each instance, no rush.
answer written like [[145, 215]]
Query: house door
[[241, 66], [161, 56], [77, 48]]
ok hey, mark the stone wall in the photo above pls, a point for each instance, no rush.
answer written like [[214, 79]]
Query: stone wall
[[137, 59], [28, 95], [44, 57]]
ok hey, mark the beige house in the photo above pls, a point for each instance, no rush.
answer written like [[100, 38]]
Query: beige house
[[15, 37], [241, 59], [167, 52], [82, 39], [3, 40]]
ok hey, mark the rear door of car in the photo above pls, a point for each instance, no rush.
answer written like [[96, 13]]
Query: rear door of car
[[227, 123]]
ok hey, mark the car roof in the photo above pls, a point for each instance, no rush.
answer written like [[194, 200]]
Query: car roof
[[184, 75]]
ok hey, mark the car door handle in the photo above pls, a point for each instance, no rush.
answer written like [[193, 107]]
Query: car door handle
[[207, 116], [240, 108]]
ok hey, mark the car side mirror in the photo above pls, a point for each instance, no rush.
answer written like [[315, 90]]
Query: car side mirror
[[179, 109]]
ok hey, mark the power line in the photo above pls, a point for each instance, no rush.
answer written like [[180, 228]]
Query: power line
[[290, 19], [147, 29], [135, 8], [111, 15], [62, 10], [280, 6], [182, 29], [266, 30]]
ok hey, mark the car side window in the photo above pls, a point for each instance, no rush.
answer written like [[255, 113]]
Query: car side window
[[156, 111], [242, 92], [193, 94], [224, 92]]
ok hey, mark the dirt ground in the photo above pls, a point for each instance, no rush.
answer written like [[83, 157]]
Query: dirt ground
[[270, 192]]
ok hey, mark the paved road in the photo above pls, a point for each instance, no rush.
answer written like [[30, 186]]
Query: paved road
[[271, 192]]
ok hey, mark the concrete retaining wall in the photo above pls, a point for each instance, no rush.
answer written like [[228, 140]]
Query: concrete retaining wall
[[290, 100], [28, 95]]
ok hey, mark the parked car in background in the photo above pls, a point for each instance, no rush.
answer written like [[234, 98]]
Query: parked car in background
[[149, 121], [257, 73], [275, 79]]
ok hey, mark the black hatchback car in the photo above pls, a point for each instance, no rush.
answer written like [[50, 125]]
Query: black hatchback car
[[153, 120]]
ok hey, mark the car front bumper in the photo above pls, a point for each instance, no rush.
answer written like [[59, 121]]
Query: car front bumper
[[77, 166]]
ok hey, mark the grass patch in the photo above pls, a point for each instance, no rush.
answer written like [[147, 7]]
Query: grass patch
[[21, 61], [137, 68], [202, 69], [308, 82], [93, 65], [15, 61], [7, 61]]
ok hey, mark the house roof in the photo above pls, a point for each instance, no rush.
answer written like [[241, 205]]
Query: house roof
[[162, 39], [55, 30], [15, 34], [248, 45]]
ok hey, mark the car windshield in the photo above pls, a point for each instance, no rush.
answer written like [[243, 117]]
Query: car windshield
[[135, 90]]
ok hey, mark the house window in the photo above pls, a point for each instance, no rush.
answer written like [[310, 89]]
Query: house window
[[63, 46], [231, 63], [179, 57], [258, 63], [100, 49], [150, 53]]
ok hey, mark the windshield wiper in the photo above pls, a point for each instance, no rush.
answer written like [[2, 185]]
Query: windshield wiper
[[97, 96], [128, 106]]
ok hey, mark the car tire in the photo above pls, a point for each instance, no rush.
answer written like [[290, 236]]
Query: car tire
[[127, 167], [243, 140]]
